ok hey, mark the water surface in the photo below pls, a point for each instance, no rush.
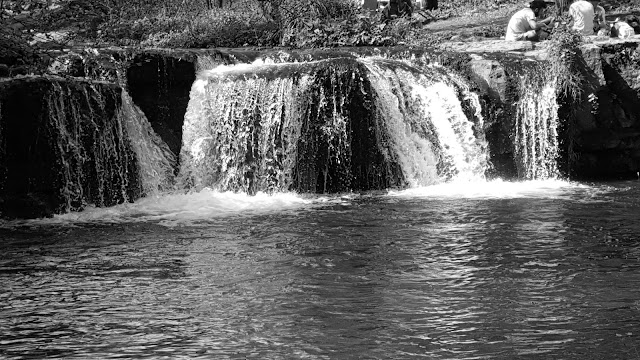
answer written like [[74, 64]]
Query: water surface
[[464, 271]]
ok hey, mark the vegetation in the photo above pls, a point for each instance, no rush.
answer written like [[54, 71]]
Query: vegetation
[[564, 62], [29, 29]]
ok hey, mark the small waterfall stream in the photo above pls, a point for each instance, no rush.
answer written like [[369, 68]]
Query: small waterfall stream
[[536, 136], [154, 158]]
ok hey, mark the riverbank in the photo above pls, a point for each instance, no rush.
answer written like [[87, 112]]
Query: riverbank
[[32, 34]]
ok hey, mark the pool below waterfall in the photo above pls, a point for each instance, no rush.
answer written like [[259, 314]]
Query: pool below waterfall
[[499, 270]]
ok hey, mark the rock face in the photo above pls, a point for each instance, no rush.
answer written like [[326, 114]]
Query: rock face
[[600, 131], [160, 86], [62, 146], [607, 120]]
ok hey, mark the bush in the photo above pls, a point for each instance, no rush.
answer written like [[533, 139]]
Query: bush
[[220, 28], [363, 29], [563, 57]]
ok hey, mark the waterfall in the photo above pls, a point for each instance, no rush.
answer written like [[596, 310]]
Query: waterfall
[[536, 137], [154, 158], [90, 148], [330, 125], [424, 114], [67, 144], [238, 135]]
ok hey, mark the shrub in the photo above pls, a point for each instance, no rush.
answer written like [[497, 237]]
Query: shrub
[[363, 29], [564, 57]]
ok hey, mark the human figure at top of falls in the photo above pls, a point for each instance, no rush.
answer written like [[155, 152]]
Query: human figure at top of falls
[[582, 14], [621, 29], [599, 19], [397, 8], [634, 22], [627, 28], [524, 25]]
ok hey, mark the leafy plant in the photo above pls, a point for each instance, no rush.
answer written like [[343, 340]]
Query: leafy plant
[[363, 29], [564, 56]]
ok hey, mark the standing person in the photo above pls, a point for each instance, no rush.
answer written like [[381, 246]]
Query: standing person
[[582, 15], [523, 24], [390, 11], [397, 8], [405, 8], [599, 19], [561, 6]]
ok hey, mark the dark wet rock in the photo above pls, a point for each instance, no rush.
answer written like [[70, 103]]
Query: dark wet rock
[[607, 136], [160, 86], [18, 70], [600, 131], [62, 146], [4, 70], [490, 77]]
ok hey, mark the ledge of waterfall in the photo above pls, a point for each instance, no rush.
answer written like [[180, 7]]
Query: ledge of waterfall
[[52, 123]]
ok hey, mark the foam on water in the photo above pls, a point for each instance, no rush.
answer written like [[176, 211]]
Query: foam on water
[[496, 189], [180, 209]]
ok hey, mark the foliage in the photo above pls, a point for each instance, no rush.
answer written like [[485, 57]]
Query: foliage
[[178, 23], [462, 7], [305, 23], [490, 31], [220, 28], [214, 28], [330, 23], [563, 50], [362, 29], [289, 13]]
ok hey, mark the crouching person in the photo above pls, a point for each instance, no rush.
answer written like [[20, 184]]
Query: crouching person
[[524, 24], [622, 29]]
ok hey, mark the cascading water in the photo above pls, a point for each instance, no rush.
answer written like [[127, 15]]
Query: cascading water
[[80, 133], [334, 125], [328, 126], [154, 158], [536, 140], [235, 133], [68, 144], [91, 148], [429, 104]]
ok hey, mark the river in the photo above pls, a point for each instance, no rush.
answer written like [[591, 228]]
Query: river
[[494, 270]]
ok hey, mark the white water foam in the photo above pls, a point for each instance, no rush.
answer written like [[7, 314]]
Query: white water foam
[[191, 209], [496, 189]]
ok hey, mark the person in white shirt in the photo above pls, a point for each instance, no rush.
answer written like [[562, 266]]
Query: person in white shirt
[[582, 15], [523, 24]]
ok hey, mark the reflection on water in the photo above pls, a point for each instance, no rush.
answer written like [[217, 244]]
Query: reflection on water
[[548, 270]]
